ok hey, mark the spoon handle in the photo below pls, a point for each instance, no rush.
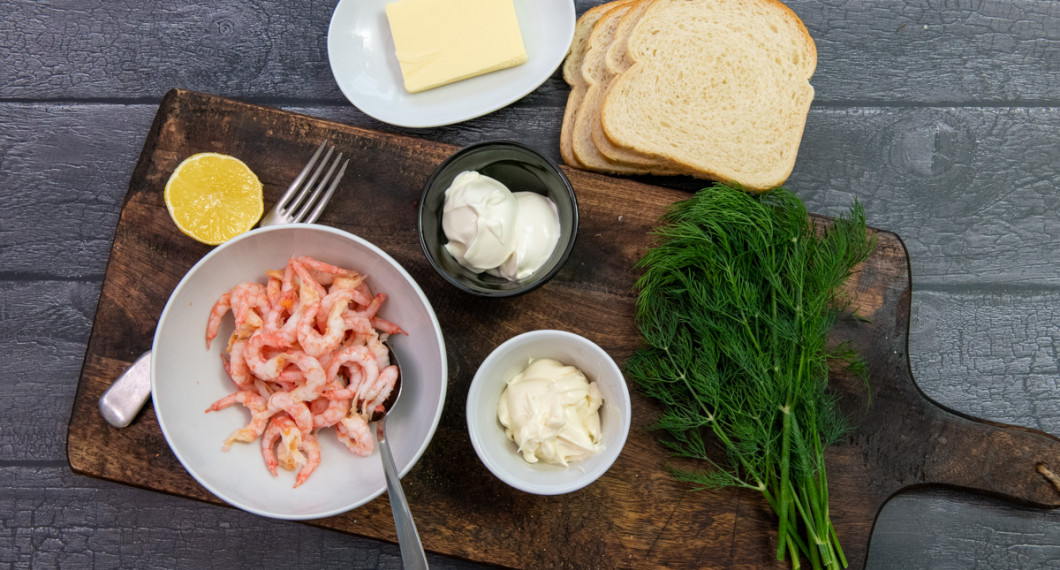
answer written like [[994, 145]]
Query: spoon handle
[[123, 400], [412, 555]]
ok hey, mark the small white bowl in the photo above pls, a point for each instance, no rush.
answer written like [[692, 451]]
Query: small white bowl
[[499, 454], [186, 377]]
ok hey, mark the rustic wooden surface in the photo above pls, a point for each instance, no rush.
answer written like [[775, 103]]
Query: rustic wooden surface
[[462, 509], [943, 119]]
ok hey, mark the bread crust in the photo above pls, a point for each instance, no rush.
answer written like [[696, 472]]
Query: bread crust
[[612, 60], [572, 65], [585, 152]]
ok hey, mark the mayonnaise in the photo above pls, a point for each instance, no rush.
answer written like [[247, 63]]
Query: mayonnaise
[[536, 234], [552, 413], [478, 219], [490, 229]]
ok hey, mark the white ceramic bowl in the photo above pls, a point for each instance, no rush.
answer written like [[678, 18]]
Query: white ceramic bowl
[[186, 377], [487, 434]]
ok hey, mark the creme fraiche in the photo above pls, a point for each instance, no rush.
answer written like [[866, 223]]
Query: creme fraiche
[[491, 229]]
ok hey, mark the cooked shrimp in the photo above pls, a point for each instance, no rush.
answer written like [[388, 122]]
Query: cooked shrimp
[[359, 325], [386, 326], [311, 447], [331, 410], [306, 354], [351, 288], [280, 426], [288, 331], [354, 433], [380, 350], [315, 376], [251, 400], [263, 388], [298, 409], [291, 376], [259, 415], [315, 343], [380, 391], [274, 288], [366, 291], [293, 449], [220, 308], [295, 401], [318, 406], [334, 296], [373, 307], [236, 365], [353, 357], [249, 303], [253, 354], [288, 453], [327, 268], [354, 377], [308, 282], [287, 285]]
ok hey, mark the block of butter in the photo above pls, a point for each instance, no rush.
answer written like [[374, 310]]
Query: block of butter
[[441, 41]]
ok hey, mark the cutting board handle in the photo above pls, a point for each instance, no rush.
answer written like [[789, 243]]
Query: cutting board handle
[[1011, 462]]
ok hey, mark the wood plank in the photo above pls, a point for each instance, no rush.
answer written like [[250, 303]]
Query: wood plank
[[972, 194], [460, 516], [990, 353], [87, 521], [889, 51], [44, 329], [90, 523], [957, 526], [927, 53]]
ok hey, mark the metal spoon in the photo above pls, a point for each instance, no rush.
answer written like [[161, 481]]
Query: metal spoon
[[412, 555]]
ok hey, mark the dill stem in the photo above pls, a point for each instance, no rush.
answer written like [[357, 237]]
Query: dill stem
[[785, 472], [816, 488], [828, 529], [789, 540], [813, 541], [823, 543], [835, 541]]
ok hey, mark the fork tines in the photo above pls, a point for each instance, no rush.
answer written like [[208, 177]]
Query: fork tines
[[307, 197]]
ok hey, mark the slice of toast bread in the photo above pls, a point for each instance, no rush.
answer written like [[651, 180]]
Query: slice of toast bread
[[593, 69], [616, 60], [572, 74], [718, 87]]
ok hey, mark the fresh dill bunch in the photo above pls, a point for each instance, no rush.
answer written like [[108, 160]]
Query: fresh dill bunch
[[735, 304]]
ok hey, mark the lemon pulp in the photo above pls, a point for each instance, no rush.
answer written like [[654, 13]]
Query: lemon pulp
[[214, 197]]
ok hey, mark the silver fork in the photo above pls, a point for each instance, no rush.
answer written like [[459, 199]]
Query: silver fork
[[303, 202]]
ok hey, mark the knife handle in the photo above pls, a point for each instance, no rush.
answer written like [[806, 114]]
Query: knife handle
[[127, 395]]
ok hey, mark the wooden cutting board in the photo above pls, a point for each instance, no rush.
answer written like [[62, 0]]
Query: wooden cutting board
[[636, 515]]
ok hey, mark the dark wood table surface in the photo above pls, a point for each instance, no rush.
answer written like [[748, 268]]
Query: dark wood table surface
[[943, 119]]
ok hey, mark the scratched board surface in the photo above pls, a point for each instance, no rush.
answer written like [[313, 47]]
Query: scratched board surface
[[635, 514]]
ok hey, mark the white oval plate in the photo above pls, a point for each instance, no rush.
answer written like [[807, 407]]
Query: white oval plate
[[361, 53]]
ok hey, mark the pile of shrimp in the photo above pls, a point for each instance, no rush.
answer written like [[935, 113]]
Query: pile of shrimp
[[306, 354]]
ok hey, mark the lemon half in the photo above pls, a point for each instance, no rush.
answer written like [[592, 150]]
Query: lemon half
[[214, 197]]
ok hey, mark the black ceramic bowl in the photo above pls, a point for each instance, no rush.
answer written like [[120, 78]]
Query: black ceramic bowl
[[520, 168]]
